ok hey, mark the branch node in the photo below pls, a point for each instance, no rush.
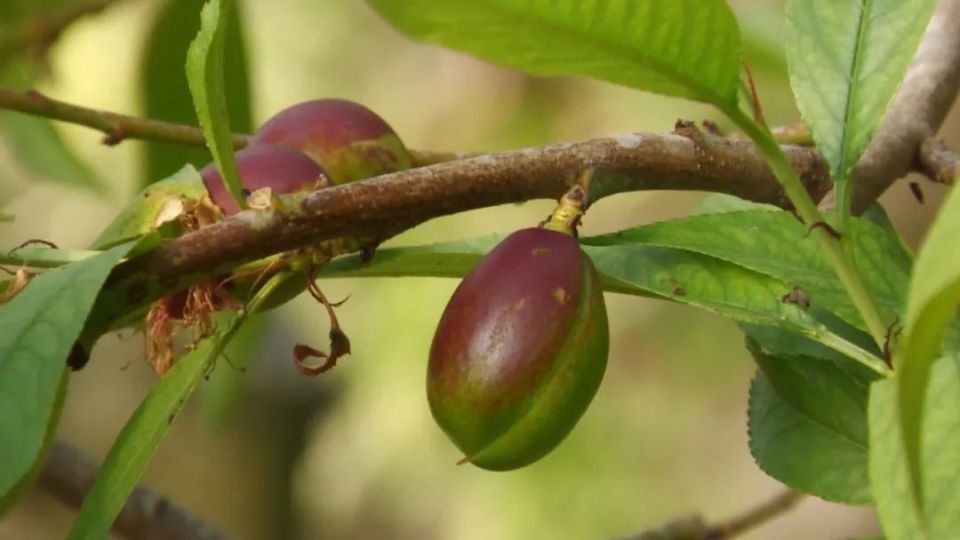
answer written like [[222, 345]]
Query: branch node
[[689, 129], [114, 135], [36, 96]]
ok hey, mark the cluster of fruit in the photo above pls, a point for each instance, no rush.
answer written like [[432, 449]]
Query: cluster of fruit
[[521, 348], [306, 147], [312, 145]]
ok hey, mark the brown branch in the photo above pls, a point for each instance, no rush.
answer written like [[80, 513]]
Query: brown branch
[[695, 527], [938, 162], [928, 90], [922, 103], [69, 473], [383, 205], [933, 160], [41, 30], [116, 127]]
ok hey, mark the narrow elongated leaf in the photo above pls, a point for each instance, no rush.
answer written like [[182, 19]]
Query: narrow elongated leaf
[[22, 487], [40, 325], [164, 84], [808, 420], [776, 244], [205, 79], [685, 48], [931, 307], [138, 442], [682, 276], [845, 66], [143, 433], [940, 449]]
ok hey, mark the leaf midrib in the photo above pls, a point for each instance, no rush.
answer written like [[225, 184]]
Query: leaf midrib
[[814, 420], [840, 174]]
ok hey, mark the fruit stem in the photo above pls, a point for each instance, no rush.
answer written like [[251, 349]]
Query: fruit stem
[[566, 216]]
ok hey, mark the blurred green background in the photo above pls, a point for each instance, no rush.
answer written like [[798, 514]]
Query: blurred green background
[[355, 453]]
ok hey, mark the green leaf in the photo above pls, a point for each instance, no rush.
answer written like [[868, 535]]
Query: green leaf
[[164, 85], [205, 79], [808, 420], [138, 442], [682, 276], [940, 449], [776, 244], [931, 307], [40, 325], [143, 433], [23, 486], [684, 48], [140, 215], [846, 59], [7, 218]]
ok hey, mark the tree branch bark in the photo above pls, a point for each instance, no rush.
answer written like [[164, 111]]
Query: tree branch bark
[[69, 473], [374, 207], [695, 527], [928, 90], [115, 127], [938, 162]]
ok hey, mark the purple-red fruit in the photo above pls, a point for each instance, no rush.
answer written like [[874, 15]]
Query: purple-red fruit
[[520, 350], [348, 140], [282, 169]]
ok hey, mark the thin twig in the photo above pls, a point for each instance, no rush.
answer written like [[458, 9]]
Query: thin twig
[[69, 473], [756, 516], [40, 31], [116, 127], [695, 527]]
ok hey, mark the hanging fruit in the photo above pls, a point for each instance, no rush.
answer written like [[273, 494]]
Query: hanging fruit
[[522, 345]]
